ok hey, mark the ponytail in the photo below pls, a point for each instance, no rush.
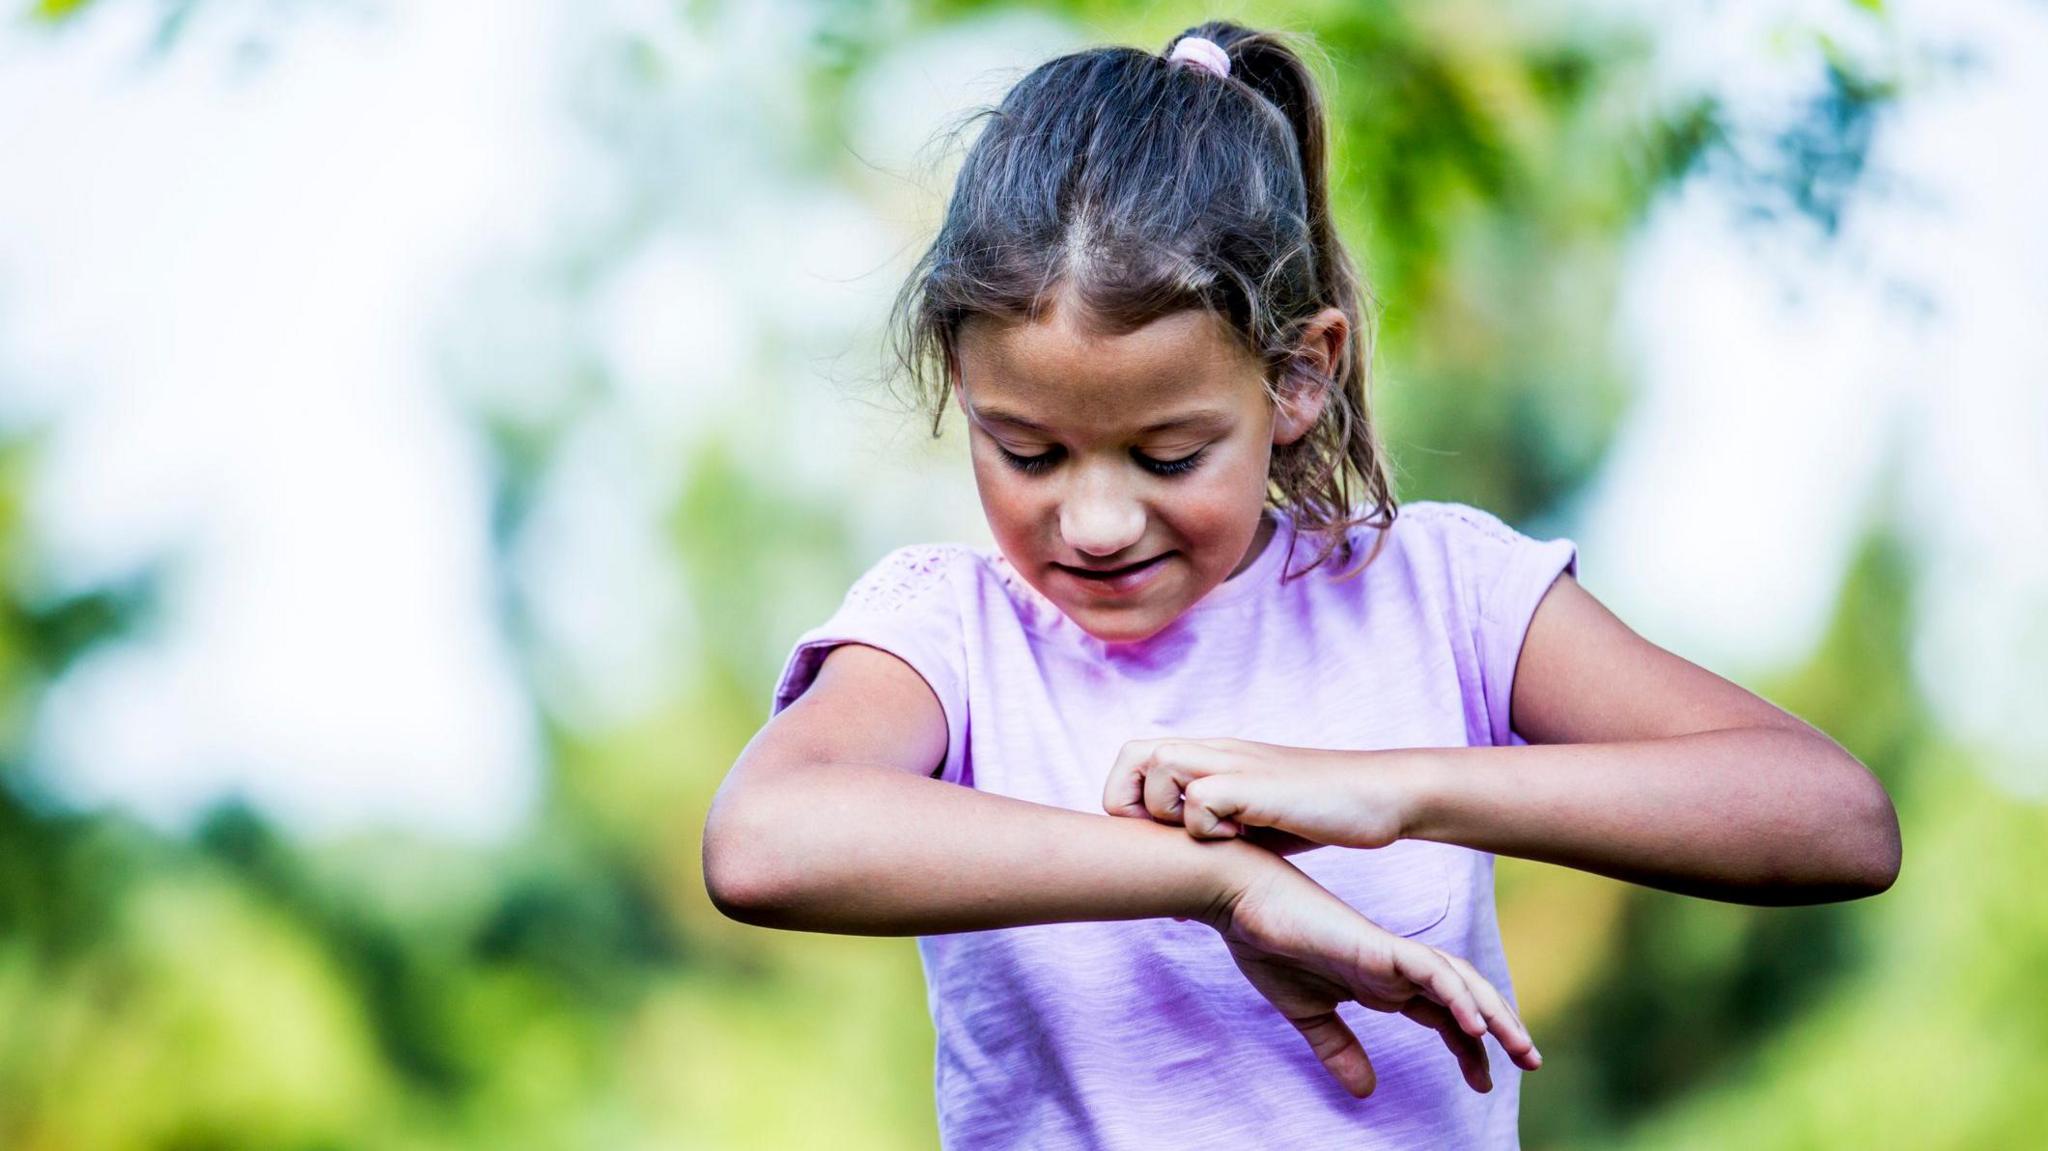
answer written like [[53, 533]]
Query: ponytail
[[1311, 473]]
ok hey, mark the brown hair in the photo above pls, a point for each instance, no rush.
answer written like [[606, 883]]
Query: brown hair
[[1141, 187]]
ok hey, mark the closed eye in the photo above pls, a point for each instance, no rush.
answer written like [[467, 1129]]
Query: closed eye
[[1171, 467], [1029, 465], [1040, 463]]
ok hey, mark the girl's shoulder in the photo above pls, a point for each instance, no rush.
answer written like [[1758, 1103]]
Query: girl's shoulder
[[1442, 528], [1422, 531], [910, 574], [1445, 548], [909, 602], [943, 577], [1493, 565], [1443, 516]]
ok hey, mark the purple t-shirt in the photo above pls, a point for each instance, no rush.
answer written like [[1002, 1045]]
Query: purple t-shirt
[[1134, 1034]]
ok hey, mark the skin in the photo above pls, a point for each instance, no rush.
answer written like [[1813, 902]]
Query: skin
[[1093, 495], [1641, 766], [1650, 769], [830, 820]]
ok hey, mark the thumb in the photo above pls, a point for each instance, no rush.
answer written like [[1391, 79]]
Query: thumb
[[1342, 1055]]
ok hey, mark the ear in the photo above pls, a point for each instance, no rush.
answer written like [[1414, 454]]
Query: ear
[[1305, 382]]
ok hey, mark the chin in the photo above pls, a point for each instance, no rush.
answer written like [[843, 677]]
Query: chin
[[1126, 629]]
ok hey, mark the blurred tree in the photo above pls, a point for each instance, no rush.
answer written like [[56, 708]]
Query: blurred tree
[[235, 988]]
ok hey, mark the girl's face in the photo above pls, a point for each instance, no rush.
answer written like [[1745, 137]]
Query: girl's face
[[1141, 455]]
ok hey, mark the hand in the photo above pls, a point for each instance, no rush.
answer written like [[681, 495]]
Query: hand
[[1295, 798], [1306, 951]]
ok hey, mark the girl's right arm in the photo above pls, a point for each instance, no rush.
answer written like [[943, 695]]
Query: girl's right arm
[[830, 821]]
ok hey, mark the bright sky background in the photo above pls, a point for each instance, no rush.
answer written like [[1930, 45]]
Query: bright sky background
[[216, 287], [231, 292], [1784, 401]]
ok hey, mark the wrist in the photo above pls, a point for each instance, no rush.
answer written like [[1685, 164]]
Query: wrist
[[1417, 778], [1381, 795], [1234, 866]]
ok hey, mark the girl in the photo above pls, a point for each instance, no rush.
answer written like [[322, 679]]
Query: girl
[[1139, 303]]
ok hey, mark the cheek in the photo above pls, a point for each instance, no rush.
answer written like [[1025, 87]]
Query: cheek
[[1009, 505], [1221, 506], [1222, 517]]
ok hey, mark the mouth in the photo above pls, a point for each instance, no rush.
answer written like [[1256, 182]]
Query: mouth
[[1120, 581], [1112, 573]]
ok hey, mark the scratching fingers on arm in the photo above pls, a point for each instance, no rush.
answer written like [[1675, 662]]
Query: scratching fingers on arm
[[1161, 779], [1147, 779], [1211, 806], [1124, 793], [1163, 782]]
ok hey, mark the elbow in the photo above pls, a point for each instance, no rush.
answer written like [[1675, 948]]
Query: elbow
[[1876, 849], [1850, 848], [1886, 850], [739, 874], [735, 892]]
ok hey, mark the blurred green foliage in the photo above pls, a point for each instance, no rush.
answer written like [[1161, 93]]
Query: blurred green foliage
[[236, 989]]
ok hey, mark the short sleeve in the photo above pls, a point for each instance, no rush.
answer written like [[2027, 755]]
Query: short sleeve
[[1506, 575], [909, 605]]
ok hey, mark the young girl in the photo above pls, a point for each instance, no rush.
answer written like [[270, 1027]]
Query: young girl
[[1162, 802]]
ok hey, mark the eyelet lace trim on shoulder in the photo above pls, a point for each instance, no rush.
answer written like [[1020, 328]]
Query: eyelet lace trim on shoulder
[[1012, 582], [903, 577], [1484, 522]]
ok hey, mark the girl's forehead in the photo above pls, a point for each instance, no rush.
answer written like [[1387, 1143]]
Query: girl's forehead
[[1060, 374]]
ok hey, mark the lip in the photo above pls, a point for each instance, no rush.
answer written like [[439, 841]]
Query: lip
[[1127, 580]]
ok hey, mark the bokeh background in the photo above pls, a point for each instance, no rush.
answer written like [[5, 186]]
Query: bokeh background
[[424, 428]]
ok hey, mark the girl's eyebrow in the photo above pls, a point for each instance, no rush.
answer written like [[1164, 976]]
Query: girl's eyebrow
[[1203, 418]]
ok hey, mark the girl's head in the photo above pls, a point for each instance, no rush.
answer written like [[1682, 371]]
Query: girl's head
[[1140, 302]]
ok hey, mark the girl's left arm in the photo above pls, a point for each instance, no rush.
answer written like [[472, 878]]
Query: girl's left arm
[[1646, 767], [1640, 766]]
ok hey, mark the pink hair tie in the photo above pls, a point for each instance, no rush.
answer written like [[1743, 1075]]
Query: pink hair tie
[[1202, 54]]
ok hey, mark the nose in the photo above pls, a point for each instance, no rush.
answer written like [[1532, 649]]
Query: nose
[[1099, 519]]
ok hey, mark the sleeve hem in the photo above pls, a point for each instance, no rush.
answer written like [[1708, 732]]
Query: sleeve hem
[[1506, 610], [811, 648]]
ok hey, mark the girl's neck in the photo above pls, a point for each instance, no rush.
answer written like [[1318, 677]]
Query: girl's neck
[[1260, 540]]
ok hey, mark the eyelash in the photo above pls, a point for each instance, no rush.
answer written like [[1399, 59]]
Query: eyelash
[[1037, 465]]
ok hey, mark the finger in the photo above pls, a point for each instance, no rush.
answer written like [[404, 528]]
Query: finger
[[1470, 1051], [1162, 783], [1210, 804], [1340, 1052], [1501, 1017], [1432, 971], [1124, 793]]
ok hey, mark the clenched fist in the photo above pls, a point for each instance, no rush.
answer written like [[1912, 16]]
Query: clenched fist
[[1288, 798]]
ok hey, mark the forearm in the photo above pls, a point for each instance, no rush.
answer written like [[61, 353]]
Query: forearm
[[870, 850], [1752, 815]]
